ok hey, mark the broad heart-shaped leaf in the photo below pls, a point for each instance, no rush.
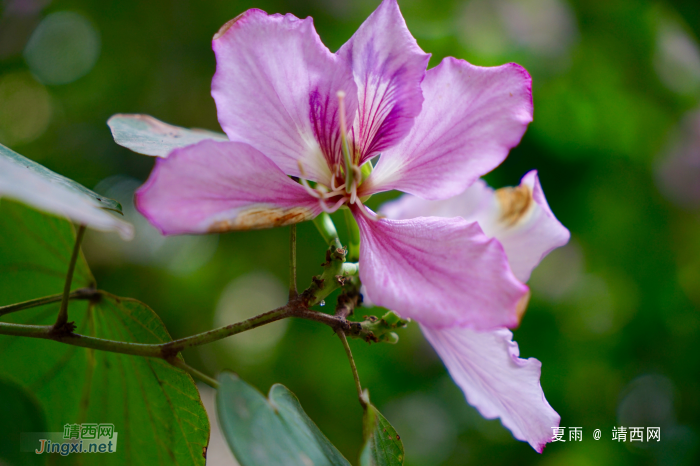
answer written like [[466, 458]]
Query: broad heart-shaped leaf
[[383, 445], [155, 408], [149, 136], [33, 184], [23, 414], [270, 432]]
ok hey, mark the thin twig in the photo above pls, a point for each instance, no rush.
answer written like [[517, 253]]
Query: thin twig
[[179, 363], [170, 349], [344, 340], [81, 293], [293, 262], [62, 318], [47, 332], [173, 347]]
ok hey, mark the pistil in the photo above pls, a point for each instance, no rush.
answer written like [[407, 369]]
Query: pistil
[[344, 143]]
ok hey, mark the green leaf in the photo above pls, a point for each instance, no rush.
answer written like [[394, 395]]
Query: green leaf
[[28, 182], [155, 408], [144, 134], [22, 414], [383, 445], [270, 432]]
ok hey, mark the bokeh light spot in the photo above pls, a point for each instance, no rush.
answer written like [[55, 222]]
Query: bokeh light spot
[[63, 48], [542, 27], [677, 59], [245, 297], [25, 109]]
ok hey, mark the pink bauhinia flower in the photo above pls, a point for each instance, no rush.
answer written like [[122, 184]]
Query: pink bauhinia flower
[[291, 108], [450, 256], [486, 365]]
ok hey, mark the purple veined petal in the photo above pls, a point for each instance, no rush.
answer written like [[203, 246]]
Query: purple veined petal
[[472, 116], [213, 187], [439, 271], [276, 88], [519, 218], [388, 66], [496, 381]]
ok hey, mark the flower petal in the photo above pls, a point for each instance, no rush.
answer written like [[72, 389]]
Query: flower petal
[[388, 66], [221, 186], [519, 218], [276, 88], [487, 367], [471, 118], [439, 272]]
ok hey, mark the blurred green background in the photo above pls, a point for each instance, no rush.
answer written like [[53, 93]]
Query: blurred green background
[[615, 315]]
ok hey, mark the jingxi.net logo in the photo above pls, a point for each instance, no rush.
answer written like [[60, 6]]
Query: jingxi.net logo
[[75, 438]]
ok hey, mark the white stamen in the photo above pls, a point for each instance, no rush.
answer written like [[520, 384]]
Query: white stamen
[[310, 190], [338, 192], [313, 192], [353, 192], [365, 213], [335, 207]]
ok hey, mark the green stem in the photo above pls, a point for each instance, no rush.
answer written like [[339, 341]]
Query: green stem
[[331, 278], [179, 363], [175, 346], [354, 231], [161, 350], [293, 262], [325, 226], [297, 308], [82, 293], [355, 375], [47, 332], [62, 318]]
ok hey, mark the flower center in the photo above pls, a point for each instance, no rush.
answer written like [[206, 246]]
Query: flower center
[[339, 192], [345, 179]]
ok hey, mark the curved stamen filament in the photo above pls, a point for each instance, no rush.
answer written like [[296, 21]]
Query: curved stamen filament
[[313, 192], [330, 210], [367, 214], [338, 192], [353, 192], [320, 192], [333, 186]]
